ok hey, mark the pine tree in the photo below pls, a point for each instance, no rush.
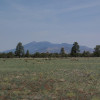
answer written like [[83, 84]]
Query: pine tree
[[19, 50], [27, 53], [75, 49], [62, 52], [97, 51]]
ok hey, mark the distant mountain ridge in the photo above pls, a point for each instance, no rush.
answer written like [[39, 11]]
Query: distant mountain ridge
[[45, 46]]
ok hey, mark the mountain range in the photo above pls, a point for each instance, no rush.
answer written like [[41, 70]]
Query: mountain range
[[45, 46]]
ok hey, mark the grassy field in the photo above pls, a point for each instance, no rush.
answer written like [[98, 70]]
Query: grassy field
[[50, 79]]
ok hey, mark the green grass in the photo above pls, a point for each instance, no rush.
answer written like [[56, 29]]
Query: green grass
[[50, 79]]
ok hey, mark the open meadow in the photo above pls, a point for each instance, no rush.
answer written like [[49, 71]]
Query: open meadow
[[50, 79]]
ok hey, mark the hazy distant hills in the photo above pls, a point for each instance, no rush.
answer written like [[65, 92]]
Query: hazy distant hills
[[50, 47]]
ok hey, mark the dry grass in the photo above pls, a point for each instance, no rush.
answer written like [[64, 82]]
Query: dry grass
[[54, 79]]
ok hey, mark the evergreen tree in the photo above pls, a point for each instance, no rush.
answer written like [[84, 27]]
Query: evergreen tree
[[97, 51], [86, 54], [27, 53], [75, 49], [37, 54], [10, 55], [62, 52], [19, 50]]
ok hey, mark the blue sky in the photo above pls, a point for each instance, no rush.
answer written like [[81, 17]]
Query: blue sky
[[56, 21]]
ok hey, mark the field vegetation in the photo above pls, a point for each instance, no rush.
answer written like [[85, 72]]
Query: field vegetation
[[50, 79]]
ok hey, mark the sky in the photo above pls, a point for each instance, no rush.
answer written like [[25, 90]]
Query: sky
[[56, 21]]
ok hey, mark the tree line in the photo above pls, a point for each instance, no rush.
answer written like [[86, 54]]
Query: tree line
[[75, 52]]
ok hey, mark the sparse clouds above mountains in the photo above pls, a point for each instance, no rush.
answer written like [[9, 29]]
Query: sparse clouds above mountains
[[50, 20]]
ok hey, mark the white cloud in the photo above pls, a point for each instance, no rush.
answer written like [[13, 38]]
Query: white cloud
[[42, 12], [79, 7]]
